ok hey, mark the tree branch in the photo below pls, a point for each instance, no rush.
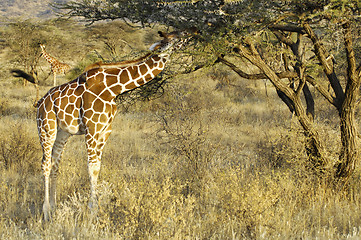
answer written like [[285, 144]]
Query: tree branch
[[322, 56], [353, 77], [258, 76], [300, 69], [283, 38], [358, 71], [321, 90], [287, 28], [309, 101]]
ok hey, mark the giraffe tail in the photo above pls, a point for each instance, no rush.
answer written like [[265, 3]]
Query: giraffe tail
[[21, 74]]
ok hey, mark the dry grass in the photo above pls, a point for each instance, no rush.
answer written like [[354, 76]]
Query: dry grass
[[205, 161]]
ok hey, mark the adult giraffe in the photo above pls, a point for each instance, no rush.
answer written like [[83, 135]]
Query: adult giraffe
[[86, 106], [57, 67]]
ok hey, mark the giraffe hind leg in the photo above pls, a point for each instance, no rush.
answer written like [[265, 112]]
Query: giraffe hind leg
[[57, 152], [46, 205]]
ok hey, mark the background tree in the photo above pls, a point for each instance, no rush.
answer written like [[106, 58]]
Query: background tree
[[294, 44], [25, 52]]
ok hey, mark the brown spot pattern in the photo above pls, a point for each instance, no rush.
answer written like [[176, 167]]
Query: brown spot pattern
[[86, 106]]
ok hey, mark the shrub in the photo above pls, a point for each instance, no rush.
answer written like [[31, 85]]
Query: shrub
[[18, 150]]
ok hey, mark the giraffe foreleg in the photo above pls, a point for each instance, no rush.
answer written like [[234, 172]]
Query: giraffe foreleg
[[93, 168], [47, 142], [54, 73], [95, 145]]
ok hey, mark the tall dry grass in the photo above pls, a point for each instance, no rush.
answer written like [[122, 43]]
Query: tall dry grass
[[193, 164]]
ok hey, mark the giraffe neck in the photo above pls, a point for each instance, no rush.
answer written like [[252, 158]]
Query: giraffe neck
[[116, 80], [137, 75]]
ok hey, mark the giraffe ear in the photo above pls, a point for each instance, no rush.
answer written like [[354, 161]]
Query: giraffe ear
[[155, 46], [162, 34]]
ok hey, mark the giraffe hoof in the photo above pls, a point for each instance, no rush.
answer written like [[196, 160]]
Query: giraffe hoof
[[46, 212], [46, 217], [93, 206]]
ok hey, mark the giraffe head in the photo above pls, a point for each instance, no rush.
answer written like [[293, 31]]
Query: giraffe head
[[42, 46], [171, 41]]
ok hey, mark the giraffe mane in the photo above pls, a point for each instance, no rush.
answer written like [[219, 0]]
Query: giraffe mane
[[126, 63]]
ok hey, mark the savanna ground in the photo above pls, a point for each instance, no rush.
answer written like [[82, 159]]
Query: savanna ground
[[215, 157]]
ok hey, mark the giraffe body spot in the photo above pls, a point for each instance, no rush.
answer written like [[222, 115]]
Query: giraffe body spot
[[117, 89], [156, 72], [103, 118], [91, 73], [130, 86], [63, 102], [143, 69], [124, 77], [156, 58], [133, 71], [141, 81], [95, 117], [111, 80], [88, 98], [70, 109], [148, 77], [72, 98], [98, 106], [106, 95]]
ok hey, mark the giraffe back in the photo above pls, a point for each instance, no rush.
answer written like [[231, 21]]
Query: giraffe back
[[60, 67], [101, 64]]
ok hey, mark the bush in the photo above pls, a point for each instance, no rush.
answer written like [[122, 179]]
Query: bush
[[18, 150]]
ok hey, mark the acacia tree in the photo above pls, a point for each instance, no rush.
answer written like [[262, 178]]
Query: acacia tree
[[25, 51], [289, 41]]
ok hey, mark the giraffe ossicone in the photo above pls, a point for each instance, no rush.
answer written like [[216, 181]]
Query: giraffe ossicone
[[57, 67], [87, 106]]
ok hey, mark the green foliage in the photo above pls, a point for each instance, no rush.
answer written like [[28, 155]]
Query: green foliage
[[212, 16], [216, 18], [224, 24]]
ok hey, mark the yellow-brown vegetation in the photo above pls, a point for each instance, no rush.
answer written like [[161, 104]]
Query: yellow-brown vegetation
[[210, 159]]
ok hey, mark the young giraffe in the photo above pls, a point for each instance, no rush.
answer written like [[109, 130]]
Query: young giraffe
[[86, 106], [57, 67]]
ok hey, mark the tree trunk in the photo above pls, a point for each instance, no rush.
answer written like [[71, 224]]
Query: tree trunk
[[349, 151], [314, 148], [349, 148]]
